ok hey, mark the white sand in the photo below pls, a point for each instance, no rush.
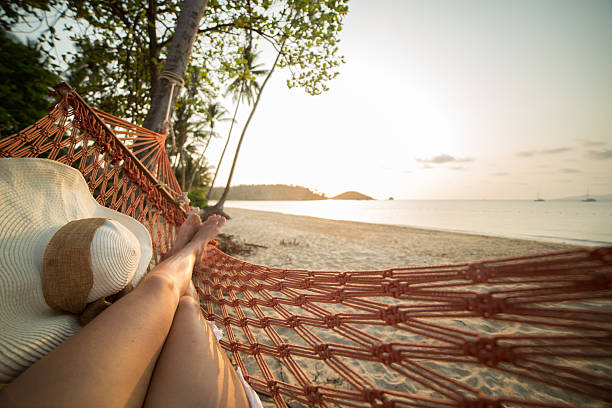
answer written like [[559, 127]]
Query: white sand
[[301, 242]]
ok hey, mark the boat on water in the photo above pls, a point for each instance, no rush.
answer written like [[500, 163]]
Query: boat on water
[[539, 199], [588, 199]]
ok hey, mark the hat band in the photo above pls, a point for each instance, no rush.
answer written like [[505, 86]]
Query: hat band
[[67, 276]]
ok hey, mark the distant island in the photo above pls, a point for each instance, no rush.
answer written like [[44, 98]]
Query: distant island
[[352, 195], [280, 192]]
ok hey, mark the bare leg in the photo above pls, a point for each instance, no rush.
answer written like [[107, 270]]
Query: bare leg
[[107, 362], [192, 370]]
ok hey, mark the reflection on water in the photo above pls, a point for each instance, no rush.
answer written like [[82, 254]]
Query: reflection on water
[[557, 221]]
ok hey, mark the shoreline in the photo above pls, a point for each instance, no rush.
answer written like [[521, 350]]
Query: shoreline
[[305, 242]]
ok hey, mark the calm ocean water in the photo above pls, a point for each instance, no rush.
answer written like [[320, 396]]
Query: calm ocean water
[[557, 221]]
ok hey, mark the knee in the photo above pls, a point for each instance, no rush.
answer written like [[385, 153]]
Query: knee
[[159, 283], [187, 302]]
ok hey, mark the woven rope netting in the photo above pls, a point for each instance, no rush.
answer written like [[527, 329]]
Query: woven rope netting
[[532, 331]]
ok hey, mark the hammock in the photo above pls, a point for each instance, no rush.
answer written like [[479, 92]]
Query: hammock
[[532, 331]]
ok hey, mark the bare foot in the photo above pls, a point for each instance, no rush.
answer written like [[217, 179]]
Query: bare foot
[[187, 230], [209, 229]]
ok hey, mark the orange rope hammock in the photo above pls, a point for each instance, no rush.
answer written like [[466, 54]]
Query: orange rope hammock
[[533, 331]]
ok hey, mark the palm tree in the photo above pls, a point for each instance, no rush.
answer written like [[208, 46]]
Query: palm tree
[[218, 207], [213, 114], [187, 127], [244, 88]]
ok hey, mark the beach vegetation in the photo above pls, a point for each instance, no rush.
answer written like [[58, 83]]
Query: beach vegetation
[[197, 197], [122, 49], [24, 82]]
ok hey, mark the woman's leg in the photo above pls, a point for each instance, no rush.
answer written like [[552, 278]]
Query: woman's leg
[[109, 361], [192, 369]]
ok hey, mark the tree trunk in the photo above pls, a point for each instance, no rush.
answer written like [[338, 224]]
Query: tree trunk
[[179, 53], [212, 183], [153, 46], [219, 205]]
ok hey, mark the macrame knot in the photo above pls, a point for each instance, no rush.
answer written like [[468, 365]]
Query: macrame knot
[[322, 350], [372, 396], [477, 273], [264, 322], [391, 315], [488, 352], [300, 300], [338, 295], [332, 321], [234, 346], [313, 394], [307, 283], [385, 353], [485, 305], [283, 351], [293, 321], [343, 278], [255, 348], [273, 387]]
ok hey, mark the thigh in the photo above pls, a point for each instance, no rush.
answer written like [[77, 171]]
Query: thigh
[[192, 369], [109, 361]]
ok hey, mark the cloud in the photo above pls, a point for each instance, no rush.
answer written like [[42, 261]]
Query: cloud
[[531, 153], [602, 154], [444, 158], [591, 143], [570, 171], [458, 168], [555, 151], [500, 174]]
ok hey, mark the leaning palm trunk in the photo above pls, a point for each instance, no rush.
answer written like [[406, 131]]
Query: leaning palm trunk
[[218, 207], [212, 183]]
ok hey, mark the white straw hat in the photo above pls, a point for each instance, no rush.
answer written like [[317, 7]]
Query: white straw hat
[[54, 237]]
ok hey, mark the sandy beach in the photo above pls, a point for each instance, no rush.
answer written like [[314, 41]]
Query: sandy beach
[[299, 242]]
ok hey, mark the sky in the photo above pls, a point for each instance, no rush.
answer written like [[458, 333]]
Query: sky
[[446, 100]]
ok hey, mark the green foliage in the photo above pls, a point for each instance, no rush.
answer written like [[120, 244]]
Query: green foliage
[[121, 48], [24, 84], [14, 11], [197, 196]]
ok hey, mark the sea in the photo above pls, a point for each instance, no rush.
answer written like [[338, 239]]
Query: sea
[[572, 222]]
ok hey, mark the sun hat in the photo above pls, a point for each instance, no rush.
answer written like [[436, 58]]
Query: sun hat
[[60, 251]]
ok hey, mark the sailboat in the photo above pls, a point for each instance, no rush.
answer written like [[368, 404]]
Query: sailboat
[[588, 199], [539, 198]]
